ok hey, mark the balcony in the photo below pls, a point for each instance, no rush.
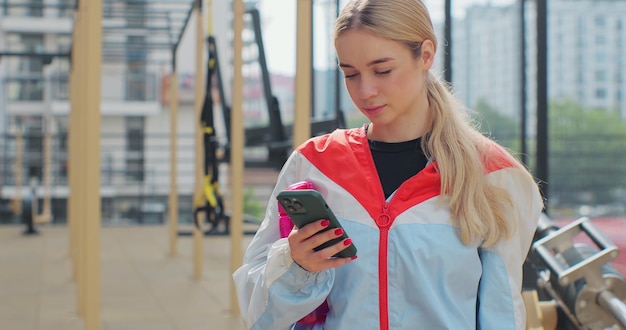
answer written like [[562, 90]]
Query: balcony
[[35, 16], [136, 95]]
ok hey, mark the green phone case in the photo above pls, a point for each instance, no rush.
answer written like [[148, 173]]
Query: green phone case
[[306, 206]]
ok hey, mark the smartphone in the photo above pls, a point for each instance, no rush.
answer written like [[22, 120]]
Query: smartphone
[[306, 206]]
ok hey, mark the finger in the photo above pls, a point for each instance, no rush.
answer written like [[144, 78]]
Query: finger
[[332, 250], [313, 228], [323, 237]]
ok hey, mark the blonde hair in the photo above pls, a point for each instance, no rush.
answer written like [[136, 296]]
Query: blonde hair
[[477, 207]]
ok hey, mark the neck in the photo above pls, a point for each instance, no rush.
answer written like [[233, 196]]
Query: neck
[[400, 132]]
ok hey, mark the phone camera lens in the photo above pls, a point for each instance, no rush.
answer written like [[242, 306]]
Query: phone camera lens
[[298, 206]]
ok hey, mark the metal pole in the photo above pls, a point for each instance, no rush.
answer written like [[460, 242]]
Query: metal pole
[[198, 199], [91, 149], [522, 61], [448, 44], [17, 171], [84, 156], [173, 195], [312, 68], [542, 96], [237, 146], [46, 214], [337, 75], [76, 157], [302, 118]]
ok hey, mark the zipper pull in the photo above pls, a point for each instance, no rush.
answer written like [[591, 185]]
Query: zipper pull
[[384, 219]]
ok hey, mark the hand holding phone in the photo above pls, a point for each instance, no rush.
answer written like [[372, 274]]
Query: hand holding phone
[[307, 206]]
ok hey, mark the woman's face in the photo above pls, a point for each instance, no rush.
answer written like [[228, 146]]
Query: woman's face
[[386, 82]]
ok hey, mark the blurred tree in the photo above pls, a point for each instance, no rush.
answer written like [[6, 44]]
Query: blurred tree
[[497, 126], [587, 154]]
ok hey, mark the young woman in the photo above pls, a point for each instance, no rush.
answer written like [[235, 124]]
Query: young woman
[[442, 217]]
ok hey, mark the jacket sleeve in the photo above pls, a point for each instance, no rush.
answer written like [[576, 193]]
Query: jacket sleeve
[[274, 292], [500, 304]]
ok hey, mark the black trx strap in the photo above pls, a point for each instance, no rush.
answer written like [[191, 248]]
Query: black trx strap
[[212, 204]]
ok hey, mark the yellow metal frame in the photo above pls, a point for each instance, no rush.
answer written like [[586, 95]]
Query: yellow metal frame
[[46, 215], [198, 150], [16, 202], [84, 159]]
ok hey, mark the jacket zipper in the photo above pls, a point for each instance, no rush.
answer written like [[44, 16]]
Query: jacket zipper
[[384, 222]]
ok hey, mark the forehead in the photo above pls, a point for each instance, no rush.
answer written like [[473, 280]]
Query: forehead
[[358, 46]]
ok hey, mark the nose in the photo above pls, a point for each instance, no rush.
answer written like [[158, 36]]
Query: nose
[[367, 88]]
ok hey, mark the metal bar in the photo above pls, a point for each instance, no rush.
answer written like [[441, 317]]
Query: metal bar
[[91, 149], [614, 305], [33, 54], [302, 118], [134, 30], [523, 94], [108, 45], [236, 160], [276, 124], [182, 31], [35, 5], [173, 192], [541, 171], [76, 159], [338, 113], [151, 2], [447, 66], [312, 41], [226, 109], [198, 194], [148, 11]]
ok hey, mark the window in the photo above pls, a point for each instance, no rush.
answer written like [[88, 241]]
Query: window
[[29, 8], [600, 76], [138, 16], [135, 133], [600, 21], [67, 8], [25, 89], [601, 93], [136, 74]]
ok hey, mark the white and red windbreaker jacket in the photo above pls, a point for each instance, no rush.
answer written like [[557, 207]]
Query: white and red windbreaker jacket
[[412, 270]]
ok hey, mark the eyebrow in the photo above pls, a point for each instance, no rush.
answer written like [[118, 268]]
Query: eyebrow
[[378, 61]]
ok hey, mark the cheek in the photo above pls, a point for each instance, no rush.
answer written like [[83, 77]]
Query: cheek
[[352, 88], [407, 84]]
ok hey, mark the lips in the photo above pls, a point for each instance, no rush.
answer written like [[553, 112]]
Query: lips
[[372, 110]]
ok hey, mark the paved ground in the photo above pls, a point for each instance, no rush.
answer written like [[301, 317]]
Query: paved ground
[[141, 286]]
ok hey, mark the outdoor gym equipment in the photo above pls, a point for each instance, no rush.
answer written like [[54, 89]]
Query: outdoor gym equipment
[[576, 286], [276, 136]]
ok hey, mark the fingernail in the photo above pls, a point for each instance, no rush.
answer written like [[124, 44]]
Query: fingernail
[[338, 231], [325, 223], [354, 257], [347, 242]]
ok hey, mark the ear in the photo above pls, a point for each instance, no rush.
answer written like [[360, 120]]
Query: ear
[[428, 54]]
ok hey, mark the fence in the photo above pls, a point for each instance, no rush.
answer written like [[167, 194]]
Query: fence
[[586, 178], [134, 184]]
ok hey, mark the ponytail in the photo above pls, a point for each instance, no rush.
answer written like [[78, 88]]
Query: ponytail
[[476, 206]]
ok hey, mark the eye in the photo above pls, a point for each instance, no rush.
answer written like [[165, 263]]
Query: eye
[[348, 76], [383, 72]]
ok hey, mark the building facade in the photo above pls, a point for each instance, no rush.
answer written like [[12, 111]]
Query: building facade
[[586, 42], [134, 122]]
